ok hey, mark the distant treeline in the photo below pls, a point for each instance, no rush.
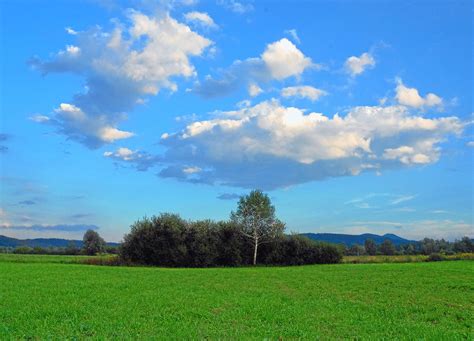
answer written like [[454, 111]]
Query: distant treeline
[[426, 246], [71, 250], [253, 235]]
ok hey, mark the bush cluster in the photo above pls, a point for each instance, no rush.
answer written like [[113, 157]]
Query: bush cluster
[[167, 240]]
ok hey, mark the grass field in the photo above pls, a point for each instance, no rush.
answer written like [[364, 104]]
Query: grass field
[[50, 297]]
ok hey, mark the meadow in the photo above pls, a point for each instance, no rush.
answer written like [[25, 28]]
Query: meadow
[[57, 297]]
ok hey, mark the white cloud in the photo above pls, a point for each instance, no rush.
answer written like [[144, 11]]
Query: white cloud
[[269, 145], [191, 170], [304, 91], [200, 18], [470, 144], [236, 6], [142, 161], [411, 97], [408, 155], [280, 60], [73, 50], [39, 118], [357, 65], [120, 67], [284, 59], [402, 198], [92, 131], [293, 34], [254, 90], [70, 31]]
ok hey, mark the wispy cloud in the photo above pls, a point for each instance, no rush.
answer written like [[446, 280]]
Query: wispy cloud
[[63, 227], [401, 199], [228, 196]]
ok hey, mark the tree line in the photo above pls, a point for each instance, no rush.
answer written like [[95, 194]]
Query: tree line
[[252, 235], [427, 246]]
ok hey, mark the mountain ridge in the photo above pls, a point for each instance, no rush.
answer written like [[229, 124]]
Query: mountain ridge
[[42, 242], [351, 239]]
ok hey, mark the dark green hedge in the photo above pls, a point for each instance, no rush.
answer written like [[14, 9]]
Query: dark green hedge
[[168, 240]]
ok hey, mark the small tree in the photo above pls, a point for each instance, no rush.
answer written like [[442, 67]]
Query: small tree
[[355, 250], [92, 243], [255, 217], [370, 247], [387, 248]]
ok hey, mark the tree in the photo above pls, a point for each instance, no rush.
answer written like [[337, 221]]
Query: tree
[[464, 245], [92, 243], [387, 248], [255, 217], [355, 250], [370, 247]]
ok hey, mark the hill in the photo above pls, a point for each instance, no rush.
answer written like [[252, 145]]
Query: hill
[[41, 242], [349, 239]]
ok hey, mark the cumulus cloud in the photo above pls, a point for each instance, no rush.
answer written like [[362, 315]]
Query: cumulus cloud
[[357, 65], [411, 97], [120, 68], [304, 91], [280, 60], [284, 60], [142, 161], [254, 90], [270, 145], [200, 18]]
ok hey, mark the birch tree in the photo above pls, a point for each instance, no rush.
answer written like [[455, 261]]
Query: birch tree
[[255, 217]]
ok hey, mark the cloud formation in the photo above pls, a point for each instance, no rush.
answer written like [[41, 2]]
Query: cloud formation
[[120, 69], [270, 145], [142, 161], [411, 97], [357, 65], [303, 91], [200, 18], [280, 60]]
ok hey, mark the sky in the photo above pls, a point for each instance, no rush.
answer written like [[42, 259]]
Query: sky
[[353, 116]]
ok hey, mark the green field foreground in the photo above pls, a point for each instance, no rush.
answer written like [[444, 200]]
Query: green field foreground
[[55, 298]]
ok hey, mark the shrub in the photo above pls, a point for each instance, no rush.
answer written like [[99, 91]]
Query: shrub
[[92, 243], [168, 240], [435, 257], [156, 241], [23, 250]]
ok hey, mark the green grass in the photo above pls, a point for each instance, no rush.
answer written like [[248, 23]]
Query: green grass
[[46, 298]]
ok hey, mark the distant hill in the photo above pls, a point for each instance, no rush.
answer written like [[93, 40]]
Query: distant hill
[[349, 239], [41, 242]]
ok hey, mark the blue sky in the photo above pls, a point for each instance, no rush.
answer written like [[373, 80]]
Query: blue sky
[[354, 116]]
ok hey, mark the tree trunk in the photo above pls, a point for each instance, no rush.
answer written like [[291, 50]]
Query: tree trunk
[[255, 252]]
